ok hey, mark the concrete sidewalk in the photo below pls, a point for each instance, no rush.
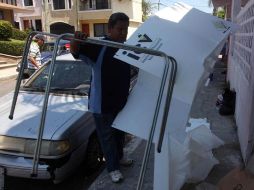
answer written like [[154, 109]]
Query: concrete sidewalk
[[8, 73], [8, 65], [224, 127]]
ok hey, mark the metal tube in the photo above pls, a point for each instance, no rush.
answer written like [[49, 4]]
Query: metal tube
[[167, 103], [155, 118], [21, 72], [168, 98], [44, 112], [115, 45], [22, 67]]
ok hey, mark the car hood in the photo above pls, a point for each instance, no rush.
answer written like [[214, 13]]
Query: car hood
[[62, 112]]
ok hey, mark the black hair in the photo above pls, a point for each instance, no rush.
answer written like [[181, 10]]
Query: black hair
[[117, 17]]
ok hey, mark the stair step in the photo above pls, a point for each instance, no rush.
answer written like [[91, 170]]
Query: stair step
[[2, 62], [7, 65]]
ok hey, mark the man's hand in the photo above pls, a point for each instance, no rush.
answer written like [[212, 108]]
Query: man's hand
[[33, 61], [76, 44]]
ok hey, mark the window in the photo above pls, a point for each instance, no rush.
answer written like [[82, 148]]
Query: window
[[14, 2], [90, 4], [61, 4], [1, 15], [38, 25], [100, 29], [102, 4], [28, 2], [69, 4]]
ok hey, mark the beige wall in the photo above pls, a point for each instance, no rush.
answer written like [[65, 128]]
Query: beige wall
[[34, 13], [68, 16], [132, 8], [75, 18], [132, 27], [95, 14]]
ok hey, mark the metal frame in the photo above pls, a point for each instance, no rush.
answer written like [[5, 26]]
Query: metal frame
[[169, 61]]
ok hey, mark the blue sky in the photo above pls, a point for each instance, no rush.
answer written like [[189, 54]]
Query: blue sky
[[198, 4]]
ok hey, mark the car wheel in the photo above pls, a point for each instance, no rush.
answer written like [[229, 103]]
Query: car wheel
[[94, 155]]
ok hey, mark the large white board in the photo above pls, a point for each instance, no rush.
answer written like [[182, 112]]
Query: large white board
[[188, 35]]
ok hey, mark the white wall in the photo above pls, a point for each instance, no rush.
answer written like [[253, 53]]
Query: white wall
[[241, 74]]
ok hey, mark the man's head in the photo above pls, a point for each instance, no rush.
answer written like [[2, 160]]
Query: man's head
[[40, 39], [118, 27]]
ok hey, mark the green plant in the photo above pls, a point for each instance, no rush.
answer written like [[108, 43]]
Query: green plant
[[12, 47], [5, 30], [28, 31], [18, 34], [220, 12], [146, 9]]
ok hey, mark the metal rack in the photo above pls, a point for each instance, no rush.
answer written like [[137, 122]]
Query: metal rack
[[170, 62]]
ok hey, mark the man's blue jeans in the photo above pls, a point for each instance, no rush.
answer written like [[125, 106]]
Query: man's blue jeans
[[111, 140]]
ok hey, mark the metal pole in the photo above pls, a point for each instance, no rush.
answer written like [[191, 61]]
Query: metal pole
[[22, 67], [110, 44], [168, 99], [167, 104], [21, 72], [155, 118], [44, 112]]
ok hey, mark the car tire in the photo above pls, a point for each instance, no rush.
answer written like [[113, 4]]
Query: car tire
[[94, 155]]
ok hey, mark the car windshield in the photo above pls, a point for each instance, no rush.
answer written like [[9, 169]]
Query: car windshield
[[69, 77]]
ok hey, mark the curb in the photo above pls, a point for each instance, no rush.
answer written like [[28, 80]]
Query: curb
[[11, 56], [8, 77]]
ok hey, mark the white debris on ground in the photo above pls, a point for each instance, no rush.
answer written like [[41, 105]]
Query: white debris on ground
[[191, 156]]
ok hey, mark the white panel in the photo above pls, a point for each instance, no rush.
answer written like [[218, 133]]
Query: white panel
[[241, 79], [182, 39]]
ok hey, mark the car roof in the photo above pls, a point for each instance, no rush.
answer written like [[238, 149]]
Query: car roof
[[62, 42], [67, 57]]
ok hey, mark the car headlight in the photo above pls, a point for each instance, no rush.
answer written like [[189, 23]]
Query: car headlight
[[27, 146]]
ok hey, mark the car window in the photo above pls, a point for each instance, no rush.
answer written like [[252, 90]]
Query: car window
[[67, 75], [49, 46]]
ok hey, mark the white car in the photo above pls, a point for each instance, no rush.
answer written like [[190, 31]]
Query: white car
[[69, 137]]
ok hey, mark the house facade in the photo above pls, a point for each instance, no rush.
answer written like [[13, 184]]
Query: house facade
[[31, 20], [240, 71], [66, 16], [90, 16], [7, 9]]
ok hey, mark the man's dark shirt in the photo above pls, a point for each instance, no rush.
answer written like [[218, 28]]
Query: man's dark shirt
[[110, 78]]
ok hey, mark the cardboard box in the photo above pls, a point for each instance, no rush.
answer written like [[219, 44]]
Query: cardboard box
[[237, 179]]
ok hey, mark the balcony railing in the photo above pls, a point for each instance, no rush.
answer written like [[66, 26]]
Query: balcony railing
[[85, 5]]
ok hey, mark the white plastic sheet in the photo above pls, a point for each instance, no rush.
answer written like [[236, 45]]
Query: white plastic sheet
[[193, 38], [177, 32], [191, 156]]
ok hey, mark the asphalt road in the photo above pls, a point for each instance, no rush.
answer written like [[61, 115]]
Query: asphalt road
[[80, 180]]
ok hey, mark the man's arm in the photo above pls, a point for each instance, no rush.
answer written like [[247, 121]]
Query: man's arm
[[75, 45], [33, 61], [87, 49]]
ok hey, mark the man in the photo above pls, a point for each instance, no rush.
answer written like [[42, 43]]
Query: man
[[34, 55], [109, 90]]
